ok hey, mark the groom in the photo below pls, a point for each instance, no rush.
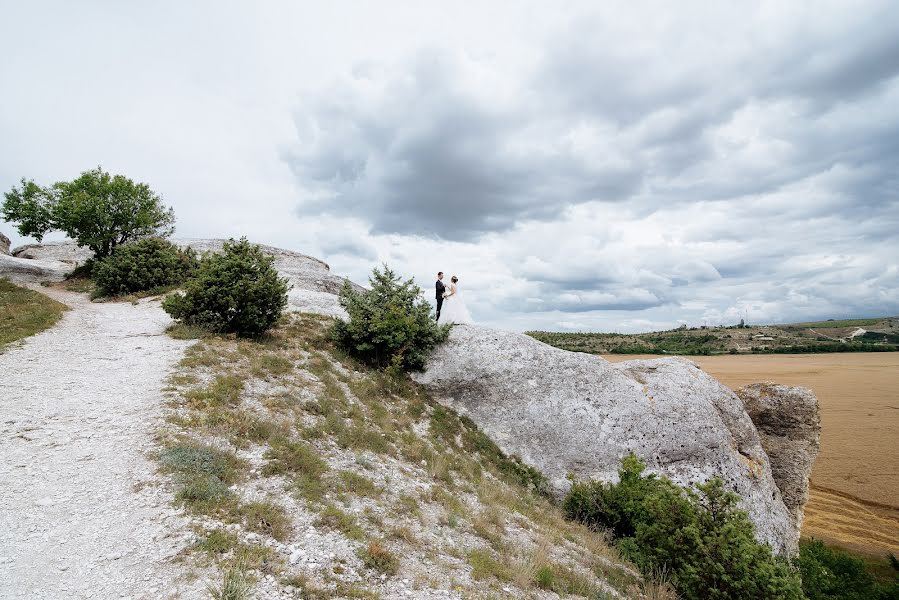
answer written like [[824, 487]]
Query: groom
[[440, 291]]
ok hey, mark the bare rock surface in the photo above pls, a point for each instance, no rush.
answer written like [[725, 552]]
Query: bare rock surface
[[80, 513], [566, 412], [4, 244], [65, 251], [25, 271], [789, 424]]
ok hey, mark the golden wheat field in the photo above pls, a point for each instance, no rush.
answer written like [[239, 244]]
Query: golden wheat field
[[854, 499]]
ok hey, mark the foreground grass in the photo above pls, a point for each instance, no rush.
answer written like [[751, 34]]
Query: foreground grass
[[369, 459], [24, 312]]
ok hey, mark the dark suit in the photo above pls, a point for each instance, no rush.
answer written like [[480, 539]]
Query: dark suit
[[440, 289]]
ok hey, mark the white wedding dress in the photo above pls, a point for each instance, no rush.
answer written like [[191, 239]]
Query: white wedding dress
[[454, 309]]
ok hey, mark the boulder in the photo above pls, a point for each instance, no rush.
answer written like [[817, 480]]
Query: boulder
[[65, 251], [4, 244], [566, 412], [789, 425], [25, 271]]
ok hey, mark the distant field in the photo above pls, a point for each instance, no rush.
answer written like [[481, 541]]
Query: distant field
[[852, 335], [840, 323], [854, 500]]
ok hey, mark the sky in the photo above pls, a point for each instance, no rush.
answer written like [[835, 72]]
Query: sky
[[615, 166]]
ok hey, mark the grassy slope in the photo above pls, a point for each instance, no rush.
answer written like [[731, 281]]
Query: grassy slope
[[24, 312], [823, 336], [286, 446]]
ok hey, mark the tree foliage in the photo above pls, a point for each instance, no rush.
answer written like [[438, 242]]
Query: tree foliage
[[698, 535], [832, 574], [98, 210], [147, 264], [389, 325], [238, 291]]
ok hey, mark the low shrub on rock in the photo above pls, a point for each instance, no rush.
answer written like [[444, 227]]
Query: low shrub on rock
[[238, 291], [390, 326], [698, 536], [147, 264]]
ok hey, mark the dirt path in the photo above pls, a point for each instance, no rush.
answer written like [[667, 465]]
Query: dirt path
[[78, 404]]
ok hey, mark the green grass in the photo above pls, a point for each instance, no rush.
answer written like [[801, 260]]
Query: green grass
[[180, 331], [334, 518], [191, 460], [24, 312], [225, 390], [236, 585], [266, 518], [293, 458], [217, 542]]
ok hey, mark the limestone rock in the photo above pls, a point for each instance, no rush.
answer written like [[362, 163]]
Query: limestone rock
[[24, 271], [4, 244], [567, 412], [65, 251], [789, 425]]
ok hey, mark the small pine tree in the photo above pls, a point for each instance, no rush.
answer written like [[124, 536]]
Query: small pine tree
[[390, 325], [238, 291]]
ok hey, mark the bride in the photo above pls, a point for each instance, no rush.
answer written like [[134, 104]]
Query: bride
[[454, 309]]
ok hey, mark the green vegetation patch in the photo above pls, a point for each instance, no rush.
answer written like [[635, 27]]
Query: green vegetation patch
[[24, 312], [390, 326], [698, 535]]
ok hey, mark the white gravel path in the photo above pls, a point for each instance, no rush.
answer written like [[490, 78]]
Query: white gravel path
[[78, 405]]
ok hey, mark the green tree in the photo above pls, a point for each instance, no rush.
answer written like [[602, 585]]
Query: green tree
[[389, 325], [698, 535], [98, 210], [238, 291]]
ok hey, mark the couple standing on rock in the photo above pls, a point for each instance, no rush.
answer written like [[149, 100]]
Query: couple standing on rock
[[455, 311]]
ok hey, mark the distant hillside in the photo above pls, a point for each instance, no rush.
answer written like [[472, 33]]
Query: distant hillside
[[852, 335]]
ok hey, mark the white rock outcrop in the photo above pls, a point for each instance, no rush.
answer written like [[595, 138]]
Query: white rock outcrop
[[4, 244], [567, 412], [789, 425]]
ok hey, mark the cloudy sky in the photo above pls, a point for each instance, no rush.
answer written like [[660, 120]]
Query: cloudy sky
[[624, 167]]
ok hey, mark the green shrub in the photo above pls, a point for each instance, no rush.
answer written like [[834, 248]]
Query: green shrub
[[832, 574], [390, 326], [146, 264], [699, 536], [237, 291]]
